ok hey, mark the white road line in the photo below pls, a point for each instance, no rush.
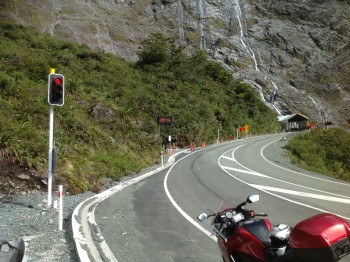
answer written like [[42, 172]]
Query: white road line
[[272, 178], [245, 171], [296, 172], [82, 228], [304, 194], [278, 196], [229, 158], [282, 181], [181, 211]]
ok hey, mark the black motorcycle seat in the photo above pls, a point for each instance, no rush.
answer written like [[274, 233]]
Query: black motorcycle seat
[[258, 229]]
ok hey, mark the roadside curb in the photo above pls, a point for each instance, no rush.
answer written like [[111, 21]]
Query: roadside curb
[[89, 243]]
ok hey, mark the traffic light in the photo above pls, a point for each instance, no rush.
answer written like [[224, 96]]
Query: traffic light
[[56, 90]]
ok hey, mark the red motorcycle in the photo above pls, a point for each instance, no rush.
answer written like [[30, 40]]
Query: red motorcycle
[[241, 238]]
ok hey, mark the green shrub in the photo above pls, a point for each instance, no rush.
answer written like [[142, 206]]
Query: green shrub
[[323, 151]]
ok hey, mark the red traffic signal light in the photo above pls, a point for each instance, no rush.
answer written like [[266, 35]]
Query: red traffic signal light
[[57, 81], [56, 90]]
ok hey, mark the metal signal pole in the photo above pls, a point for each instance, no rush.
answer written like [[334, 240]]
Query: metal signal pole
[[49, 176], [55, 98]]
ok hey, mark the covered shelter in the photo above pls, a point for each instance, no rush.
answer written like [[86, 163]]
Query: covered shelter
[[294, 122]]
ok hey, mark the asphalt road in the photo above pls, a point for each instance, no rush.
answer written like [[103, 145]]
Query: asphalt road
[[155, 219]]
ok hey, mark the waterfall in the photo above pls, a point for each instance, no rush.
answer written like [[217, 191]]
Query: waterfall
[[292, 87], [237, 10], [318, 107], [277, 110], [201, 10], [259, 89], [237, 13], [263, 98], [181, 20], [274, 94], [274, 85]]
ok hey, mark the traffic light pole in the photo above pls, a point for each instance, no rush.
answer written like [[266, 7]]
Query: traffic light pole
[[55, 98], [49, 176]]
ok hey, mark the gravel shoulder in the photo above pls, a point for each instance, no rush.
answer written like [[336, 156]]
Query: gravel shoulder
[[29, 218]]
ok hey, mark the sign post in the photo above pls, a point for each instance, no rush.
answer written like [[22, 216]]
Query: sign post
[[164, 121]]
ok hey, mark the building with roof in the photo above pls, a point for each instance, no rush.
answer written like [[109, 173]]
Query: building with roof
[[294, 122]]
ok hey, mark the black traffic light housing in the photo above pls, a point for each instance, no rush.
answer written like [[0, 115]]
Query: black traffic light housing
[[56, 90]]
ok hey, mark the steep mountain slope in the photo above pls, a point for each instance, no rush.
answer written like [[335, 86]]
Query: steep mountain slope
[[108, 127], [295, 53]]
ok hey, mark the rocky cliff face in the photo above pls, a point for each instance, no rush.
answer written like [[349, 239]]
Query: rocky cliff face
[[296, 53]]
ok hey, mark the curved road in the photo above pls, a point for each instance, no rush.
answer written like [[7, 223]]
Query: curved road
[[155, 219]]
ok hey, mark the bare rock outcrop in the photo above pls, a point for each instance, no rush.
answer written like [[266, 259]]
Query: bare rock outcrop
[[295, 53]]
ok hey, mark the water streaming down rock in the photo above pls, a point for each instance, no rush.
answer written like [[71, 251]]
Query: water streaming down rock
[[260, 90], [319, 107], [238, 12], [274, 85], [262, 96], [274, 97], [277, 89], [201, 11], [299, 45], [292, 87], [181, 20]]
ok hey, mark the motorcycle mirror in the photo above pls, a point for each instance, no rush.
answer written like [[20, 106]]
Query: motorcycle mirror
[[253, 198], [202, 217]]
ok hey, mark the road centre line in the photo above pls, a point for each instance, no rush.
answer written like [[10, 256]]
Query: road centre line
[[254, 173], [304, 194], [272, 178], [179, 209], [245, 171], [190, 219], [296, 172], [278, 196]]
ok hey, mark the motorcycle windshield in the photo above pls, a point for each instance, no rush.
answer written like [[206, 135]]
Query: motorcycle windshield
[[229, 203]]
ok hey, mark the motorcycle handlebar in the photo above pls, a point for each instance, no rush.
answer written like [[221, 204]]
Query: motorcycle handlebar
[[260, 214], [251, 214]]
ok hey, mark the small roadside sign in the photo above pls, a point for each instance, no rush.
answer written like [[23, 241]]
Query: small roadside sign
[[165, 120]]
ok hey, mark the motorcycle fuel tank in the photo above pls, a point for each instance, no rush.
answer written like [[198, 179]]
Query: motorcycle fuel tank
[[324, 238]]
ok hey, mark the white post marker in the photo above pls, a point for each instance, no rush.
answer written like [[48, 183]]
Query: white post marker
[[218, 138], [60, 207]]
